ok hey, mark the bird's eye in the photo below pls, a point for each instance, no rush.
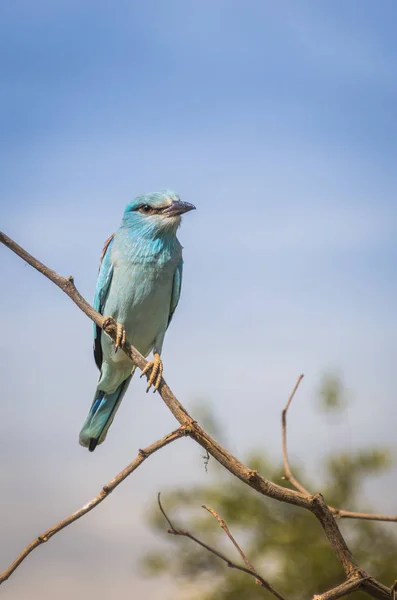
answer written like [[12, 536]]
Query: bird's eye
[[145, 208]]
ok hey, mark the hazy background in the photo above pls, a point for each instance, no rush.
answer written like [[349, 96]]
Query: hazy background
[[277, 119]]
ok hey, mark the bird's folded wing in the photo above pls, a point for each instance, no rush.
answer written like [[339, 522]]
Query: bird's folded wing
[[101, 292], [176, 289]]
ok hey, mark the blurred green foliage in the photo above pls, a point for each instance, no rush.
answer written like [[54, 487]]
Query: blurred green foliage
[[332, 394], [285, 544]]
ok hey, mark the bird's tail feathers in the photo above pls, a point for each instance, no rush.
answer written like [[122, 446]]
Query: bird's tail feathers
[[101, 415]]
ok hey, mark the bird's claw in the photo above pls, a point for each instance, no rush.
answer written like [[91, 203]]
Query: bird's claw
[[120, 337], [120, 332], [156, 368]]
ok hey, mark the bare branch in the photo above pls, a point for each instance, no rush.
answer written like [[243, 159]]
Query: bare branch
[[232, 565], [349, 514], [344, 589], [226, 529], [287, 469], [315, 503], [104, 493], [259, 579], [288, 476], [394, 591]]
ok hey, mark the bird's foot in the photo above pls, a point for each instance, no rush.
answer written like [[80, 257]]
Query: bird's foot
[[120, 337], [120, 332], [156, 368]]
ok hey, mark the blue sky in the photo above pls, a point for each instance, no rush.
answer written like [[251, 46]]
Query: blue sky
[[277, 120]]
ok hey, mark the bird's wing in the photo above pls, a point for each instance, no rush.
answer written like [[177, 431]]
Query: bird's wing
[[176, 290], [101, 292]]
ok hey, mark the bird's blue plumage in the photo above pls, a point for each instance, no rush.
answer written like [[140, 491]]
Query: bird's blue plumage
[[139, 285], [101, 292], [176, 289]]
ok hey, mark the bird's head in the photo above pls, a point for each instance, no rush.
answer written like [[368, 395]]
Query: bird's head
[[156, 213]]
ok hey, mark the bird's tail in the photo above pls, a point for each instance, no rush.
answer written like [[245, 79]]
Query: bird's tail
[[101, 415]]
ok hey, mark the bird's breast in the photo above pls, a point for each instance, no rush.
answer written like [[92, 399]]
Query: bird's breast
[[140, 299]]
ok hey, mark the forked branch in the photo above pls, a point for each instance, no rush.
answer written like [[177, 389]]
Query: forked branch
[[339, 513], [314, 503], [259, 579], [249, 569]]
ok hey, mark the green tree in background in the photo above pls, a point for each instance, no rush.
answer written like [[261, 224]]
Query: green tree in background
[[285, 544]]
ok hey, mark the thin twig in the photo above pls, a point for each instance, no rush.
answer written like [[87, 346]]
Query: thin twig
[[226, 529], [288, 476], [231, 564], [339, 513], [315, 504], [287, 469], [259, 579], [104, 493]]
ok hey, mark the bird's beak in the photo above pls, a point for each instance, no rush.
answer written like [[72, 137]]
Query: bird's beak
[[178, 208]]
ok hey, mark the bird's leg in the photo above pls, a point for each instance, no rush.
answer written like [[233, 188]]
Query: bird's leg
[[156, 368], [120, 332]]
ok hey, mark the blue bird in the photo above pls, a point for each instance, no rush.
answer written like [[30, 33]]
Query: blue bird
[[139, 285]]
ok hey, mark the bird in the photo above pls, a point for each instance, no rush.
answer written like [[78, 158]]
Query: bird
[[139, 285]]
